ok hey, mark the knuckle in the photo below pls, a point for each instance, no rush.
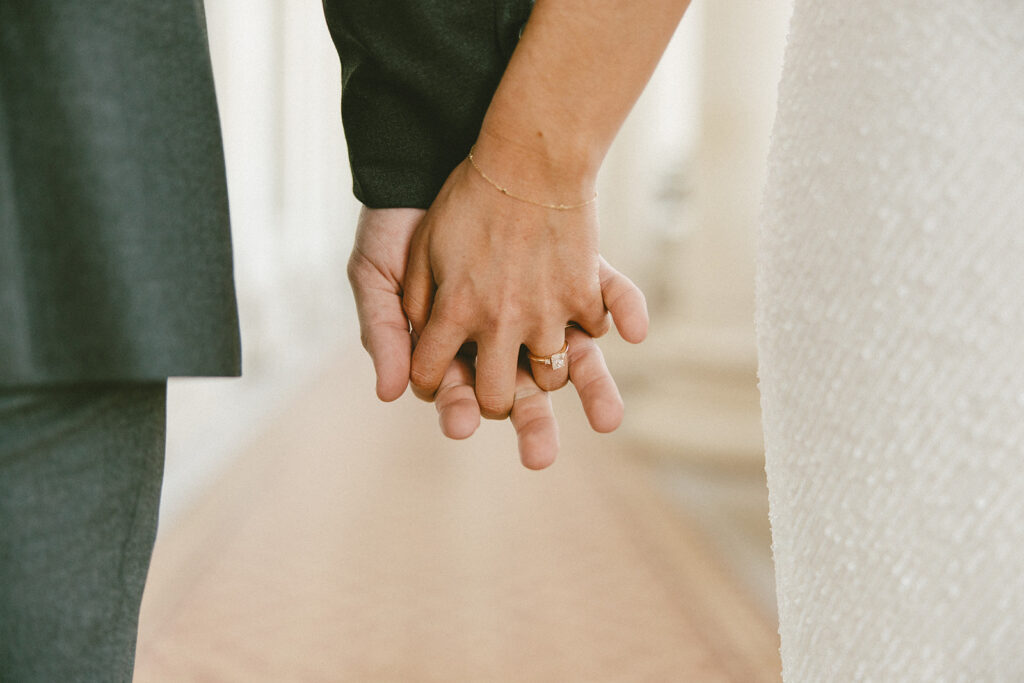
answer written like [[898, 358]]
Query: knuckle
[[556, 383], [536, 423], [512, 310], [525, 393], [496, 318], [581, 358], [504, 310], [457, 315]]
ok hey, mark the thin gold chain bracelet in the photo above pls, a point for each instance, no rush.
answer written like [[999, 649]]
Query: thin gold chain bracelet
[[505, 191]]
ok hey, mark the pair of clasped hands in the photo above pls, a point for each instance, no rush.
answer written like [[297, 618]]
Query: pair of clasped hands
[[455, 299], [492, 266]]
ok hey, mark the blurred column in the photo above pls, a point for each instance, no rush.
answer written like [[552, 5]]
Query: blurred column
[[703, 334], [693, 401], [639, 185]]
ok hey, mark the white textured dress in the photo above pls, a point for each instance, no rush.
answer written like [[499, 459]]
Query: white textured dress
[[891, 340]]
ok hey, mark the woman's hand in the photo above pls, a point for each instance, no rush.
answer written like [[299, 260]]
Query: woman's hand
[[487, 268]]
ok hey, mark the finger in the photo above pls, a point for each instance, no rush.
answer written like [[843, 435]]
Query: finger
[[418, 284], [626, 303], [385, 336], [435, 350], [594, 384], [457, 409], [534, 421], [383, 329], [496, 363], [547, 358]]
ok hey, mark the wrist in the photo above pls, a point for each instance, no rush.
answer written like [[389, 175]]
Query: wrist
[[543, 168]]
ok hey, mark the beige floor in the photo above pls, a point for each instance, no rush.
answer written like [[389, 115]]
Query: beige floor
[[354, 543]]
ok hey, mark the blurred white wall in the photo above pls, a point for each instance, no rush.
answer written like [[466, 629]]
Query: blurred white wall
[[293, 217], [643, 180]]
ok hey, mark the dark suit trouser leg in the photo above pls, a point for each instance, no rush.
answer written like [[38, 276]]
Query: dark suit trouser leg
[[80, 475]]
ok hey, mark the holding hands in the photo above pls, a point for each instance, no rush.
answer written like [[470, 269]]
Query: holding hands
[[377, 273], [502, 272], [501, 280]]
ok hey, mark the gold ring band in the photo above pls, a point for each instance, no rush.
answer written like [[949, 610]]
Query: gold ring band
[[555, 360]]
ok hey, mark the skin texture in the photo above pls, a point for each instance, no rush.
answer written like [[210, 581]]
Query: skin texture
[[376, 270], [488, 268]]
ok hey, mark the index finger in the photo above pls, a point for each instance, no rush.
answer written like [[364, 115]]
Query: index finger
[[434, 352]]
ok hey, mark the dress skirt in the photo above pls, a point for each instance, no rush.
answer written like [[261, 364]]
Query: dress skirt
[[891, 338]]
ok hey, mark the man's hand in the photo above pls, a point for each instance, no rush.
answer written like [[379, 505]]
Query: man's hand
[[532, 415], [494, 270], [376, 270]]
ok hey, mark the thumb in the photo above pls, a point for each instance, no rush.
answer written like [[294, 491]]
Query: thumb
[[383, 330]]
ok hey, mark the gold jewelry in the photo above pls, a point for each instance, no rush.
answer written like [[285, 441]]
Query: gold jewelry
[[557, 361], [505, 190]]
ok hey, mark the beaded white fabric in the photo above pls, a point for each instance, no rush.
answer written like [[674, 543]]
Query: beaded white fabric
[[891, 340]]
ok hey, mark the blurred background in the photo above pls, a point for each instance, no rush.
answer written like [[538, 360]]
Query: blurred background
[[311, 533]]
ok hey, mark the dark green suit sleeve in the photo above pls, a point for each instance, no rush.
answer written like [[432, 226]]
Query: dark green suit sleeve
[[417, 77], [115, 249]]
